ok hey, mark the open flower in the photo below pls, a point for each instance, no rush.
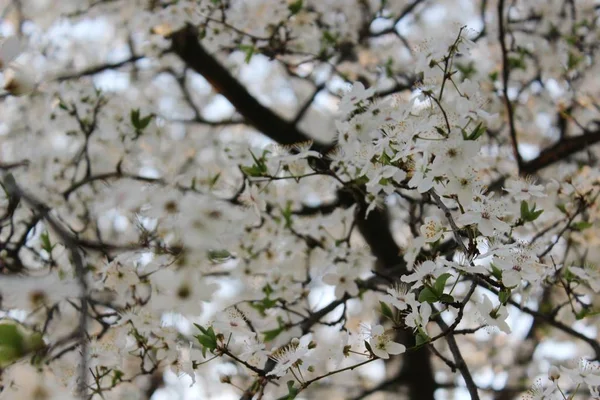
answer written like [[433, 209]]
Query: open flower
[[382, 345], [493, 316], [586, 372], [432, 229], [487, 214], [286, 357]]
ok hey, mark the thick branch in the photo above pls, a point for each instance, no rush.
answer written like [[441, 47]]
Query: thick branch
[[559, 151], [188, 48], [505, 78]]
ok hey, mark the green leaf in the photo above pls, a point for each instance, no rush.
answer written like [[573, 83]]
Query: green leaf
[[46, 244], [329, 38], [582, 225], [135, 117], [201, 328], [272, 334], [208, 339], [248, 50], [287, 214], [581, 314], [517, 62], [253, 171], [446, 298], [562, 208], [421, 339], [368, 347], [504, 295], [440, 284], [295, 7], [292, 391], [428, 295], [477, 132], [144, 122], [11, 336], [441, 131], [214, 179], [573, 60], [12, 346], [386, 311], [524, 210], [535, 214], [138, 122], [496, 272], [529, 214]]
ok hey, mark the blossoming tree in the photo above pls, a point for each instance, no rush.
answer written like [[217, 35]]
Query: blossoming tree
[[276, 199]]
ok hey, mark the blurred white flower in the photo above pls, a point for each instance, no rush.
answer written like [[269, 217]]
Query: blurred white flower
[[18, 81]]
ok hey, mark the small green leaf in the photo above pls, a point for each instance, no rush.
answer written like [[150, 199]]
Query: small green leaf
[[253, 171], [504, 296], [446, 298], [421, 338], [440, 283], [287, 214], [201, 328], [135, 117], [582, 225], [581, 314], [427, 295], [144, 122], [46, 244], [11, 336], [12, 346], [496, 272], [524, 210], [529, 214], [272, 334], [386, 311], [207, 340], [562, 208], [248, 50], [292, 391], [295, 7], [477, 132], [214, 179]]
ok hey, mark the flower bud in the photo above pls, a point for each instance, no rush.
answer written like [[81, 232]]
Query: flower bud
[[553, 373], [18, 82]]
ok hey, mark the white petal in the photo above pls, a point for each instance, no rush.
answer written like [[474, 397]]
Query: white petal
[[395, 348], [378, 352]]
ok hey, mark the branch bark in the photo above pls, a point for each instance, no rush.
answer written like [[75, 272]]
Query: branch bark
[[560, 150]]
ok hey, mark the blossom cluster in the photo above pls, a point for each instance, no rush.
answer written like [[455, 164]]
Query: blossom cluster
[[386, 209]]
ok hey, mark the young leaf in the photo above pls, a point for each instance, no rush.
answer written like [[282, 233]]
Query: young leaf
[[428, 295], [386, 311], [440, 284]]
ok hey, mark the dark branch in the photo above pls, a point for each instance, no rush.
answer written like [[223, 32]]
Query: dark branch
[[188, 48]]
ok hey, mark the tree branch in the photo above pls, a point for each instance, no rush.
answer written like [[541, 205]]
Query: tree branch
[[505, 77], [560, 150], [188, 48]]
